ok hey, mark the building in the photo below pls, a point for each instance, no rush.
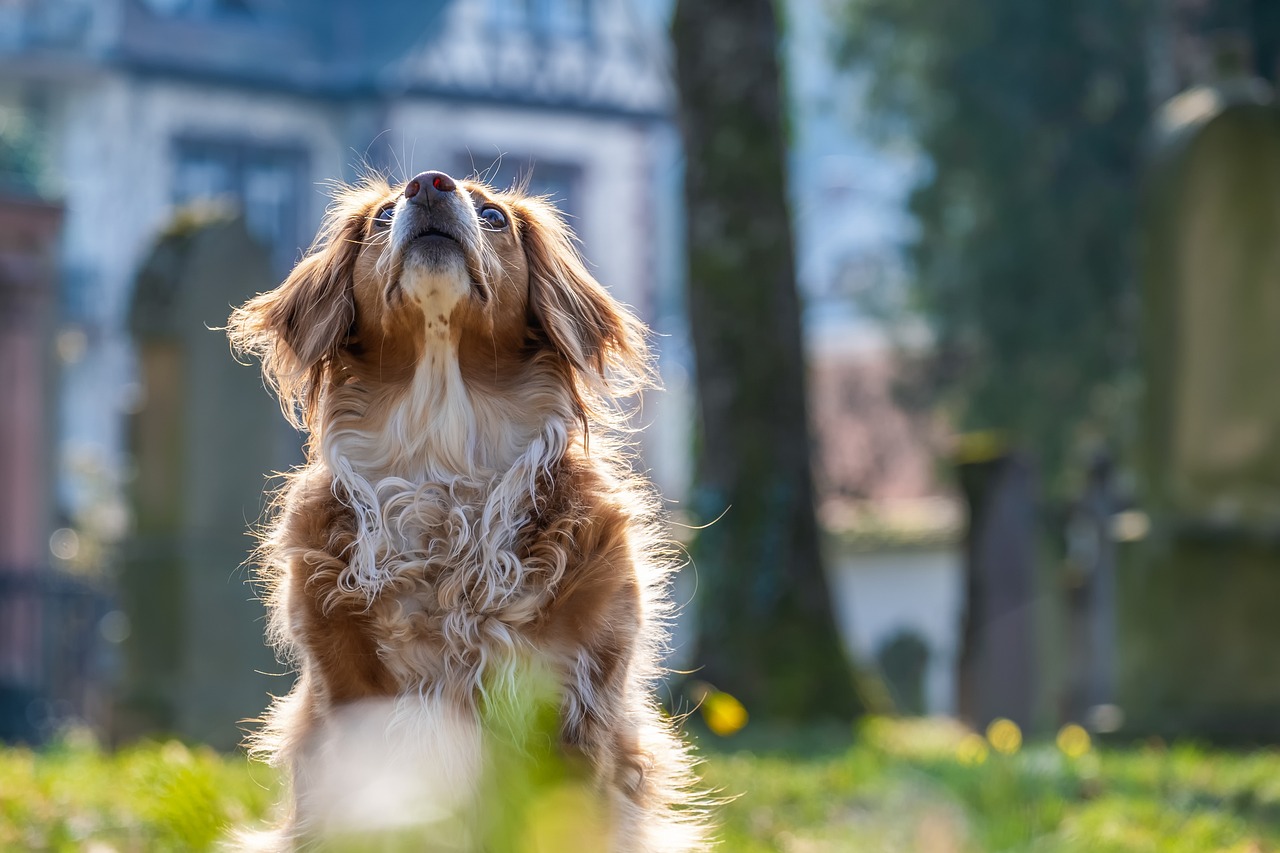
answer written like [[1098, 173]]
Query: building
[[148, 106], [29, 226]]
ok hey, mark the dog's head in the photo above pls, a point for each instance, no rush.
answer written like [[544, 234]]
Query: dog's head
[[403, 273]]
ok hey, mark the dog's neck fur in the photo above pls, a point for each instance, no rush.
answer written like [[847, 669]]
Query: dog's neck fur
[[442, 475]]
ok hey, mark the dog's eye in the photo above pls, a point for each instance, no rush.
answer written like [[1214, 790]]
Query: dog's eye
[[384, 216], [493, 218]]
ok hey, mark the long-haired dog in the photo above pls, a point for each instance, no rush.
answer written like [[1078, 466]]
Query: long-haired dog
[[465, 516]]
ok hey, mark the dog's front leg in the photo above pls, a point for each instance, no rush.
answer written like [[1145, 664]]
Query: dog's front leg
[[597, 625]]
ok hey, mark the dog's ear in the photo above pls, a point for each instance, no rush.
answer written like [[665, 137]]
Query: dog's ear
[[297, 328], [593, 333]]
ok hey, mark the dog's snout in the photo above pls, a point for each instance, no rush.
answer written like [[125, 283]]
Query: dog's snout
[[426, 185]]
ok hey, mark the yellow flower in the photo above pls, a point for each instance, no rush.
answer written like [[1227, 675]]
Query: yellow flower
[[971, 751], [723, 713], [982, 446], [1005, 736], [1073, 741]]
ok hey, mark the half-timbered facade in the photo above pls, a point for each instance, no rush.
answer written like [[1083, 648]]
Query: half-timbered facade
[[146, 105]]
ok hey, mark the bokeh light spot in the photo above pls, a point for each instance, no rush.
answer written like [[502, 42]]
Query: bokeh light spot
[[971, 751], [115, 626], [1004, 736], [723, 713], [64, 543], [1074, 741]]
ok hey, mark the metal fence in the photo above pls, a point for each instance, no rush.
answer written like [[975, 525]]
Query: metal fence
[[55, 659]]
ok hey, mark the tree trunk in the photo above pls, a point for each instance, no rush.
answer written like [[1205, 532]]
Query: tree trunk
[[766, 632]]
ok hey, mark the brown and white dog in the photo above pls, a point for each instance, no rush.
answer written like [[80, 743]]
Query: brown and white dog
[[465, 514]]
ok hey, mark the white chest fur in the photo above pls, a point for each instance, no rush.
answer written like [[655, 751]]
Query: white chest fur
[[443, 483]]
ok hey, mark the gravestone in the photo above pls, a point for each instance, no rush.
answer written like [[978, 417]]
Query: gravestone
[[998, 650], [203, 438], [903, 660], [1198, 600]]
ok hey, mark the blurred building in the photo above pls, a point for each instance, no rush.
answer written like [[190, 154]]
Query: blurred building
[[147, 106], [29, 227]]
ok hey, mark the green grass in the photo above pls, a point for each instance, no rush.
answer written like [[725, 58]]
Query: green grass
[[162, 796], [898, 786], [930, 787]]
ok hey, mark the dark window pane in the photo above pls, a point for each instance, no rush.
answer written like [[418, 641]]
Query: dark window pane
[[266, 183], [559, 181]]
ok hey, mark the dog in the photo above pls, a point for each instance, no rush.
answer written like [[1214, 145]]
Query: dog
[[466, 524]]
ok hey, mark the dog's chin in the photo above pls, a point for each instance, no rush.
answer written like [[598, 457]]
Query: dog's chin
[[434, 277], [435, 252], [436, 271]]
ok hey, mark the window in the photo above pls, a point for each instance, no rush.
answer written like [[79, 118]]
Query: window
[[509, 15], [565, 19], [211, 8], [170, 7], [559, 181], [266, 183]]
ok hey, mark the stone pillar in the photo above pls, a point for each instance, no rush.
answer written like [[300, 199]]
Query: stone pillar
[[29, 229]]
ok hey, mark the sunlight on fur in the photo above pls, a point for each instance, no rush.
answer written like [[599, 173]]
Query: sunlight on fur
[[467, 514]]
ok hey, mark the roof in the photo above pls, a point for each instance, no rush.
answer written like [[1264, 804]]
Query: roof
[[877, 470]]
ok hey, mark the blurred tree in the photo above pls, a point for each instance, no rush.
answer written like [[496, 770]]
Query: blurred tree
[[1199, 32], [767, 634], [1031, 117]]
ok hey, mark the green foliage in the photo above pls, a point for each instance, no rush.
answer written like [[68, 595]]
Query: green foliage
[[533, 799], [532, 796], [1030, 116], [898, 785], [155, 796]]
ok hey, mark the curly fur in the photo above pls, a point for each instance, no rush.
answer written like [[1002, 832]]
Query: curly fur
[[466, 510]]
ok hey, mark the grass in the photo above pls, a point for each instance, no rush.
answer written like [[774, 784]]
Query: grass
[[157, 796], [932, 787], [924, 786]]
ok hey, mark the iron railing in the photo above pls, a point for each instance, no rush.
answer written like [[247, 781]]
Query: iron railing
[[55, 660]]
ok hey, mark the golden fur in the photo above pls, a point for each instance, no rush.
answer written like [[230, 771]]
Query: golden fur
[[465, 509]]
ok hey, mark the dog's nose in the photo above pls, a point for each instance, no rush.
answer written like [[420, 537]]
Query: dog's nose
[[427, 185]]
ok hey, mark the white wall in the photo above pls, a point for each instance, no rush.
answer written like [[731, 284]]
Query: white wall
[[879, 594], [115, 163]]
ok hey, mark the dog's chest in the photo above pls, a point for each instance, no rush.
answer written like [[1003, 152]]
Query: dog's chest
[[459, 594]]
